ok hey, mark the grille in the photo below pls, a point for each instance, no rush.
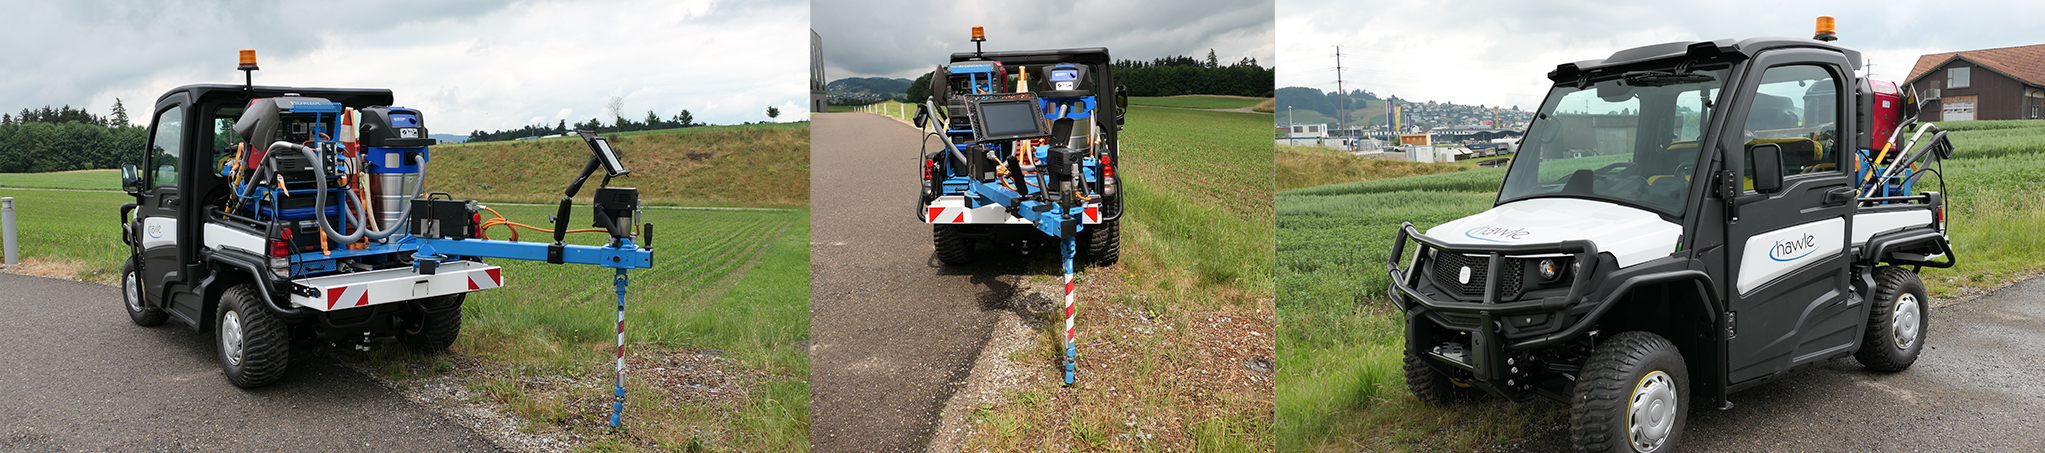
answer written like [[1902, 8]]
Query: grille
[[1449, 266]]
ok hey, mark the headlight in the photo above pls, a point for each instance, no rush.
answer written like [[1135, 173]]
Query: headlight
[[1548, 269]]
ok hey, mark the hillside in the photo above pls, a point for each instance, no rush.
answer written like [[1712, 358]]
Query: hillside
[[874, 85], [763, 165]]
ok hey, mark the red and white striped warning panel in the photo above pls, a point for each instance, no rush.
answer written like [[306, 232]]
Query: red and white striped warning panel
[[952, 209], [339, 292]]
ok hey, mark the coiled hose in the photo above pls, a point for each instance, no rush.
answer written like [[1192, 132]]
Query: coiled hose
[[360, 219]]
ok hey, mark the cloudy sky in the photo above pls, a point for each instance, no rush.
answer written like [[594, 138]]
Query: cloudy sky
[[904, 39], [469, 64], [1498, 52]]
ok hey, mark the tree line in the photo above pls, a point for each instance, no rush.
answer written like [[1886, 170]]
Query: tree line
[[1171, 76], [1314, 99], [653, 121], [64, 139]]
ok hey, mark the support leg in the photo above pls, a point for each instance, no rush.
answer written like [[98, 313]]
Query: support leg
[[1066, 248], [618, 404]]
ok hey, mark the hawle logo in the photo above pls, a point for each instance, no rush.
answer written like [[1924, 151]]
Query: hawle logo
[[1793, 249], [156, 231], [1497, 234]]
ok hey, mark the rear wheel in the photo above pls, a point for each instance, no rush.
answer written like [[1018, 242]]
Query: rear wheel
[[438, 328], [254, 348], [1103, 243], [953, 247], [131, 294], [1632, 396], [1896, 321]]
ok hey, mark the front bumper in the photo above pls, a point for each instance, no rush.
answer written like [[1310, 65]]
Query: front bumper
[[1482, 340]]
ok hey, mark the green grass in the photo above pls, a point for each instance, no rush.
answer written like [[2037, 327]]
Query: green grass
[[78, 180], [76, 231], [1340, 386], [1197, 102], [731, 281], [1196, 247]]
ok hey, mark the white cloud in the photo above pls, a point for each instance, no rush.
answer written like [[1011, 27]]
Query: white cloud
[[1498, 52], [904, 39], [477, 65]]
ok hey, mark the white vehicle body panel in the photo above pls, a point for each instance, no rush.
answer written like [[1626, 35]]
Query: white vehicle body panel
[[159, 232], [952, 209], [359, 289], [219, 236], [1774, 254], [1868, 225], [1631, 235]]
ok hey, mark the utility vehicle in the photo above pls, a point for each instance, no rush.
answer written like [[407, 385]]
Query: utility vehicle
[[1025, 145], [277, 217], [1683, 221]]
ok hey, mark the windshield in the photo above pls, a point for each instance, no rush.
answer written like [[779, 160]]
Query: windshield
[[1631, 139]]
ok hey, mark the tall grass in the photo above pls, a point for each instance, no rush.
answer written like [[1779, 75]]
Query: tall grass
[[1313, 166]]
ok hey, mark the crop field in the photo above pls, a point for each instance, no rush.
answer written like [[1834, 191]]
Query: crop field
[[76, 180], [1187, 307], [1311, 166], [1341, 386], [1197, 101], [76, 234]]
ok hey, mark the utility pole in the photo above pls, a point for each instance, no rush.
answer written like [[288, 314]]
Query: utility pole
[[1341, 95]]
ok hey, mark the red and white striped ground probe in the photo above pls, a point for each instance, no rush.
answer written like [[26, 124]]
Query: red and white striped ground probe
[[1067, 247]]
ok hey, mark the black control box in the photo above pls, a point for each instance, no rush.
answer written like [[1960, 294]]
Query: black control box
[[443, 219]]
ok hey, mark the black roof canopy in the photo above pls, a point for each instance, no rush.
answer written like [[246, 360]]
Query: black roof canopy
[[1650, 55], [1087, 55], [351, 97]]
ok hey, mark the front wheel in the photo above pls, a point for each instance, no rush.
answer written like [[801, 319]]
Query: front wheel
[[254, 348], [1896, 321], [131, 295], [1432, 387], [1632, 396]]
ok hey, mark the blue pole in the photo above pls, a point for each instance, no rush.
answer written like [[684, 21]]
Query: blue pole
[[618, 404]]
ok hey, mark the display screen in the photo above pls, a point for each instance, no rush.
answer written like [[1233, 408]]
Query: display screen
[[1015, 117], [610, 158]]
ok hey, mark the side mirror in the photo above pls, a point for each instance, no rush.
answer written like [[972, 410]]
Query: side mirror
[[922, 116], [1766, 160], [1121, 103], [131, 179]]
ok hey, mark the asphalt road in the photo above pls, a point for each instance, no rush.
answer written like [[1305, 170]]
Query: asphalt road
[[894, 333], [79, 376], [1979, 386]]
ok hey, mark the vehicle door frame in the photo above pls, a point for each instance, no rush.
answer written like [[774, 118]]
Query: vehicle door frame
[[1774, 323]]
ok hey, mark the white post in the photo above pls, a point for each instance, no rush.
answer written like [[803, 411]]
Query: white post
[[13, 254]]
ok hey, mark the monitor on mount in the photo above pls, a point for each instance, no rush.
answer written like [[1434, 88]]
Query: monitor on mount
[[1012, 116]]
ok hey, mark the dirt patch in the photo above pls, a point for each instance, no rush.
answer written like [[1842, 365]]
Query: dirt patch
[[48, 269], [449, 395]]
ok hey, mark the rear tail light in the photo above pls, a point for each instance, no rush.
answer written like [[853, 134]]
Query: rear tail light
[[279, 248], [929, 170], [1942, 214]]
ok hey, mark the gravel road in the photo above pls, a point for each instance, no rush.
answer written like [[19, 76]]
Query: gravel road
[[895, 334], [1977, 387], [82, 377]]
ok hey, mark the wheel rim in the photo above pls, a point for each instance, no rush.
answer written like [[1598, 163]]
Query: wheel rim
[[1903, 323], [129, 291], [230, 337], [1652, 415]]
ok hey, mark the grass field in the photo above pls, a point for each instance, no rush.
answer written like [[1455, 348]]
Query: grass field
[[1198, 101], [1189, 304], [905, 111], [1341, 388]]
